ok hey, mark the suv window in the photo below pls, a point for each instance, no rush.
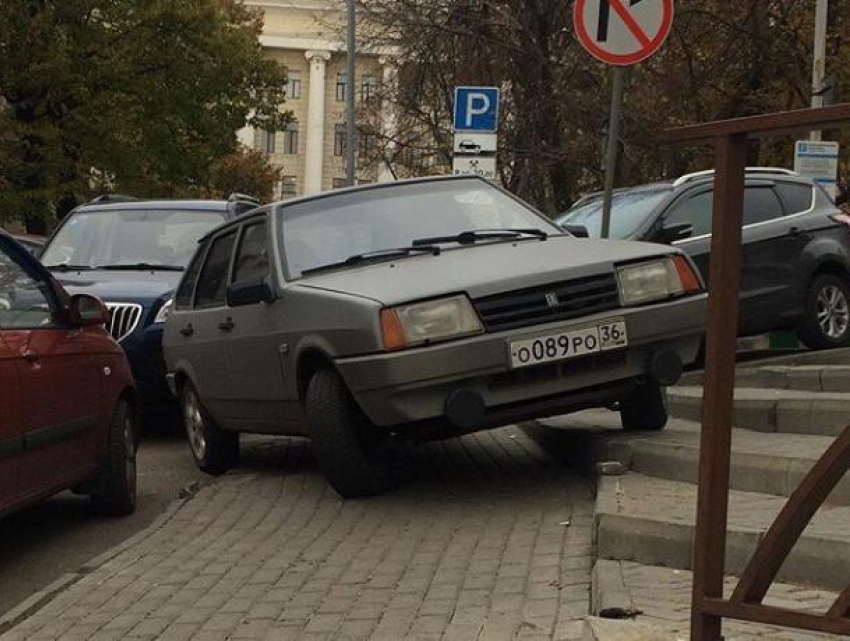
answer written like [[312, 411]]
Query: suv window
[[761, 204], [252, 259], [187, 285], [797, 197], [212, 285], [25, 302], [695, 210]]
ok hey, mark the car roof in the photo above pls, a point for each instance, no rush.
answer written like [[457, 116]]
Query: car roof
[[193, 205]]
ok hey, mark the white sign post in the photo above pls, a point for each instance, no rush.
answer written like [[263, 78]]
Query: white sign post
[[818, 161]]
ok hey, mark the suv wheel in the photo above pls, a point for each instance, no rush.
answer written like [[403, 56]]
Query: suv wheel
[[214, 450], [349, 449], [115, 493], [826, 318], [645, 409]]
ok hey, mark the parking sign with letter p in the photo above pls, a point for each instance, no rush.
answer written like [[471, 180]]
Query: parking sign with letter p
[[476, 109]]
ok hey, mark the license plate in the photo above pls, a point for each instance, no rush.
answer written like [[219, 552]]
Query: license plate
[[572, 344]]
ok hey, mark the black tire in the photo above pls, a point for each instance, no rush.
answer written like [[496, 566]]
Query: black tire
[[350, 451], [645, 409], [115, 488], [826, 315], [215, 451]]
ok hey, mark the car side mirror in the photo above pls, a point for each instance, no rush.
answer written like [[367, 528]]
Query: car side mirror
[[680, 231], [579, 231], [87, 311], [250, 292]]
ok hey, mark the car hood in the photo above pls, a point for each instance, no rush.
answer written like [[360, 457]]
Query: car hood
[[135, 286], [483, 270]]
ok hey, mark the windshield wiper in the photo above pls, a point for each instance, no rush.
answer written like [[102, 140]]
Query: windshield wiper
[[143, 267], [474, 236], [64, 267], [381, 254]]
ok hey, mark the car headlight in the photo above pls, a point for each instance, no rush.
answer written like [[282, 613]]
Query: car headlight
[[657, 280], [423, 323], [164, 311]]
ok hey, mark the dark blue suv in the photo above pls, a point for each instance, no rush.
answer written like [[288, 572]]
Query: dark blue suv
[[131, 254]]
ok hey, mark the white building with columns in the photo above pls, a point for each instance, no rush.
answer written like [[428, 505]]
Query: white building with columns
[[307, 37]]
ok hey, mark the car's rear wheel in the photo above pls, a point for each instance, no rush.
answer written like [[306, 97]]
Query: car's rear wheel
[[351, 452], [826, 318], [645, 409], [214, 450], [115, 489]]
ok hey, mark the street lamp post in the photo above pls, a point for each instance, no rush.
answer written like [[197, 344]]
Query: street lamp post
[[351, 115], [819, 66]]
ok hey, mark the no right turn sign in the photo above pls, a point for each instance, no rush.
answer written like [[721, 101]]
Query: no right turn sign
[[623, 32]]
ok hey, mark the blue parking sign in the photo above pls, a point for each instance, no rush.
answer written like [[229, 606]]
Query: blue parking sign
[[477, 109]]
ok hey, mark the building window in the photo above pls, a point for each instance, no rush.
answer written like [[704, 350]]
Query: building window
[[340, 140], [288, 188], [293, 85], [365, 145], [341, 86], [290, 139], [265, 141], [368, 88]]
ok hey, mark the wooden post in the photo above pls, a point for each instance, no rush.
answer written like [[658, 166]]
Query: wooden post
[[718, 395]]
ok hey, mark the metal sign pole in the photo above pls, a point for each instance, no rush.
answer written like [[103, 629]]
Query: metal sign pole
[[613, 148], [351, 113]]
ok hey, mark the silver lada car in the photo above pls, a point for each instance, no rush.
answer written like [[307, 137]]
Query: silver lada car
[[418, 310]]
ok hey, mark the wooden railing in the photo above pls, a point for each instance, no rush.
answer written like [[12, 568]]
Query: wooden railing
[[709, 608]]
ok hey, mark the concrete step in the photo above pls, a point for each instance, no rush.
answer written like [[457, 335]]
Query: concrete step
[[812, 378], [651, 521], [772, 410], [765, 463]]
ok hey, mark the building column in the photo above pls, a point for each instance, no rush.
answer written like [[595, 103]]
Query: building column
[[314, 168], [389, 118]]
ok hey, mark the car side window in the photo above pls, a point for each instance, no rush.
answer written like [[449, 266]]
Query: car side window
[[797, 197], [252, 258], [761, 204], [190, 278], [695, 210], [212, 285], [25, 299]]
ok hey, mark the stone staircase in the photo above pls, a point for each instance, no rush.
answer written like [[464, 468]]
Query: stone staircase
[[787, 413]]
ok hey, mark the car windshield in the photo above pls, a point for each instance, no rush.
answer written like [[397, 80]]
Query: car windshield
[[130, 237], [325, 232], [629, 211]]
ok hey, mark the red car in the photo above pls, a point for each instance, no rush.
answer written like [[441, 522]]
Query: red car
[[67, 404]]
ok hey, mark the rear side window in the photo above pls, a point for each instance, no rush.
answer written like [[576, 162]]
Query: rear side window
[[212, 285], [761, 204], [187, 286], [797, 197], [252, 259], [696, 210]]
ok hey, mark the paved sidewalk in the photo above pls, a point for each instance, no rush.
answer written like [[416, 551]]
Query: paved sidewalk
[[664, 598], [489, 538]]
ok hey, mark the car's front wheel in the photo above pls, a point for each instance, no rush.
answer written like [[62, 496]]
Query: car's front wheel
[[644, 409], [115, 493], [214, 450], [826, 318], [350, 451]]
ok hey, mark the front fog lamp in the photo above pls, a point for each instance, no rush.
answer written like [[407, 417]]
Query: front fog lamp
[[422, 323], [657, 280]]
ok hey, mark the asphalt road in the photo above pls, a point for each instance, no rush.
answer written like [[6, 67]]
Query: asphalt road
[[42, 543]]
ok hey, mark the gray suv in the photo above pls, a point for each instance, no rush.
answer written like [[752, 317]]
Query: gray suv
[[796, 269], [420, 309]]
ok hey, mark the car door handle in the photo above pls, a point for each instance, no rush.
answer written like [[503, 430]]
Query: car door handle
[[188, 330], [227, 325], [29, 356], [796, 231]]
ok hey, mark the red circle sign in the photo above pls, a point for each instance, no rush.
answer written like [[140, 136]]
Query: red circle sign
[[623, 32]]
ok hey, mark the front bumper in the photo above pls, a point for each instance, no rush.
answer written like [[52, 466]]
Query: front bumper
[[415, 386]]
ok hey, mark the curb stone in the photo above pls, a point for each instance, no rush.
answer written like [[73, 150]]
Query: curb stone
[[32, 604]]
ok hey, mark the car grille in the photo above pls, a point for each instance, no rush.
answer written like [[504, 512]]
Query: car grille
[[549, 303], [123, 319]]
